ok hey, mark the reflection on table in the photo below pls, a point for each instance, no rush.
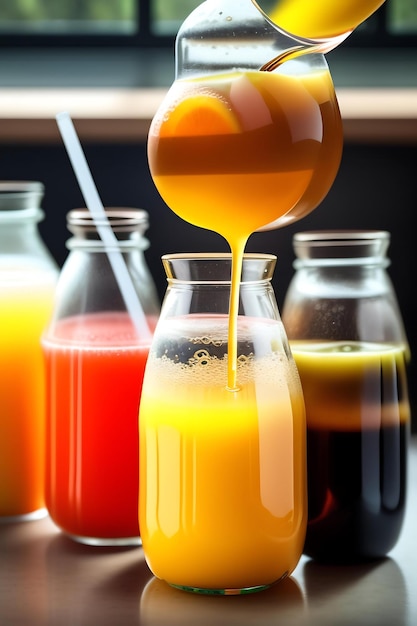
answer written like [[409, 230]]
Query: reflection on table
[[48, 580]]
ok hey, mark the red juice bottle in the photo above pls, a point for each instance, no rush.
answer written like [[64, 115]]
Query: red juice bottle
[[95, 359]]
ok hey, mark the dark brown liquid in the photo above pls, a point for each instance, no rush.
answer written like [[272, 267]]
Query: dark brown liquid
[[356, 488]]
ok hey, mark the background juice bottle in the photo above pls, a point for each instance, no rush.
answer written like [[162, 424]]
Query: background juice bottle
[[95, 358], [28, 276], [348, 341]]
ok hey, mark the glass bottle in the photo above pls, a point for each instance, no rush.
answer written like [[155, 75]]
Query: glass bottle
[[222, 503], [347, 337], [95, 359], [28, 275]]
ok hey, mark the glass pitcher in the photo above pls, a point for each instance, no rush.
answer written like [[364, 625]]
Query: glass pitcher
[[222, 503], [251, 119], [347, 337], [235, 149]]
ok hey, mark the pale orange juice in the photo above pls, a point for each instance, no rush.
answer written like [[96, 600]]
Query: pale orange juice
[[25, 306], [222, 498]]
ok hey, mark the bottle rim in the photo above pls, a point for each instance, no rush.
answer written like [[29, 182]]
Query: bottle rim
[[340, 236], [127, 223], [217, 255], [20, 187], [215, 267], [20, 201], [341, 247], [120, 218]]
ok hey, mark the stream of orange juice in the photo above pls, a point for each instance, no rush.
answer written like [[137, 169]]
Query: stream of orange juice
[[234, 152]]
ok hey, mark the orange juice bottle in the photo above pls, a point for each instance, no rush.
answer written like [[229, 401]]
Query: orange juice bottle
[[27, 283], [222, 498]]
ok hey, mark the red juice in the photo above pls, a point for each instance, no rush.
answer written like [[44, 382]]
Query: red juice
[[94, 367]]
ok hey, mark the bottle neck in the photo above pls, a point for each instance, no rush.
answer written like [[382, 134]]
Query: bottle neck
[[128, 226], [20, 214], [19, 232]]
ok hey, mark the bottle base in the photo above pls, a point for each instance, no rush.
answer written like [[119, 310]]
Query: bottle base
[[227, 592], [24, 517], [116, 542]]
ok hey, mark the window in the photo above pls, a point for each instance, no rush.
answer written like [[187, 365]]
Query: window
[[155, 22], [402, 17], [166, 17], [43, 18]]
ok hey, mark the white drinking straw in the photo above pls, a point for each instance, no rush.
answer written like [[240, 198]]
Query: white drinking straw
[[95, 206]]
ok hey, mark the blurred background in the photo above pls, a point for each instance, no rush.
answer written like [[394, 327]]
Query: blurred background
[[64, 46]]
